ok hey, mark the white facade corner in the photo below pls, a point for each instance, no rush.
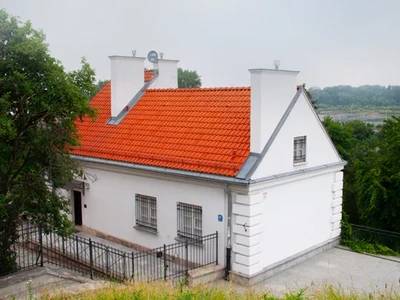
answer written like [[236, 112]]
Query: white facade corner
[[335, 233], [248, 260], [247, 210], [336, 210], [248, 241], [245, 230], [336, 218], [336, 202], [336, 225], [247, 251], [338, 176], [337, 194], [337, 186]]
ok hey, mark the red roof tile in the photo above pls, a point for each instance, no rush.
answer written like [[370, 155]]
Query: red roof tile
[[203, 130], [148, 75]]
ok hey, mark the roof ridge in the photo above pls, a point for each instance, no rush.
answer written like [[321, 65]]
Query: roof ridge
[[224, 88]]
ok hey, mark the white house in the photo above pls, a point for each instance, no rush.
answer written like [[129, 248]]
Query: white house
[[253, 163]]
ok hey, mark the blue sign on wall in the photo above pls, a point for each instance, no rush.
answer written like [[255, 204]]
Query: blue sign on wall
[[220, 218]]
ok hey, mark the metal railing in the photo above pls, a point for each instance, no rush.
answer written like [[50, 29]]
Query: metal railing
[[90, 258], [389, 239]]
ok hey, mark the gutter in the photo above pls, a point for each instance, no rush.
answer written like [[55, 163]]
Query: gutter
[[208, 177], [229, 233], [298, 172], [167, 171]]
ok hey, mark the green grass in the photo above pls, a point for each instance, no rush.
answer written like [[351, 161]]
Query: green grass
[[162, 290], [361, 246]]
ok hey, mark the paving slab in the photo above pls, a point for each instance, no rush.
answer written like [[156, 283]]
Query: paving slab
[[38, 280], [336, 267]]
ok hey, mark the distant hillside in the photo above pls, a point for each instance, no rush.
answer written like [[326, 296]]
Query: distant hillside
[[366, 95]]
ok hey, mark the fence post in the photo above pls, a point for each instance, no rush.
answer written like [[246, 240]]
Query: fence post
[[165, 262], [91, 257], [124, 265], [77, 247], [63, 244], [216, 248], [41, 245], [133, 266], [187, 261], [106, 260]]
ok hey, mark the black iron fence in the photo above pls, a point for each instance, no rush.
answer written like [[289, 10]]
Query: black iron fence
[[389, 239], [36, 248]]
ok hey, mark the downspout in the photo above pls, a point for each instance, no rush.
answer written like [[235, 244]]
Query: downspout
[[229, 235]]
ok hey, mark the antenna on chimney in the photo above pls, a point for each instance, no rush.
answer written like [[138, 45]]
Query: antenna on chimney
[[134, 53], [161, 55], [277, 63]]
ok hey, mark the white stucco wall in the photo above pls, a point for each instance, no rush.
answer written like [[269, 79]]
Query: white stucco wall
[[110, 208], [301, 122], [281, 218], [296, 216]]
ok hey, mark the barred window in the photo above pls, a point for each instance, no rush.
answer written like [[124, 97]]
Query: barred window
[[299, 149], [146, 211], [190, 221]]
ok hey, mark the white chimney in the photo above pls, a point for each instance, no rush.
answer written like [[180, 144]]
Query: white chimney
[[167, 74], [271, 93], [127, 76]]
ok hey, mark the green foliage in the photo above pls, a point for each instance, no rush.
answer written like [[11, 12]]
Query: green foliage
[[367, 95], [378, 178], [362, 245], [355, 141], [99, 85], [188, 79], [309, 95], [39, 103]]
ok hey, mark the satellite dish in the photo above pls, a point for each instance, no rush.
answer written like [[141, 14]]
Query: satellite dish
[[152, 56]]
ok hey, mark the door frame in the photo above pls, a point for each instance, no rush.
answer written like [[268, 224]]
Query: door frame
[[75, 211]]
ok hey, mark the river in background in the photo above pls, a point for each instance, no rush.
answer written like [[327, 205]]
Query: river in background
[[374, 118]]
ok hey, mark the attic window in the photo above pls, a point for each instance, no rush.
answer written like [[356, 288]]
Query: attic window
[[299, 149]]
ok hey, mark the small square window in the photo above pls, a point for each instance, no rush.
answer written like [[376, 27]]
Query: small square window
[[146, 211], [299, 149]]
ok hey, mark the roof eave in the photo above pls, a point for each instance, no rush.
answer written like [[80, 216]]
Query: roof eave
[[166, 171]]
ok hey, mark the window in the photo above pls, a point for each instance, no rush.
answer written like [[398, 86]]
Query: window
[[190, 221], [299, 149], [146, 212]]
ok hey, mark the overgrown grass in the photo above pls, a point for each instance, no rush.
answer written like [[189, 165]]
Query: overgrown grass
[[162, 290], [361, 246]]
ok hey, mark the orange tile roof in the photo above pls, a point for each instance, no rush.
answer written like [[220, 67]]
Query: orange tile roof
[[201, 129], [148, 75]]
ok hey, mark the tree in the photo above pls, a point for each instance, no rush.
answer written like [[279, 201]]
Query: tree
[[188, 79], [379, 180], [309, 95], [99, 85], [39, 105], [354, 140]]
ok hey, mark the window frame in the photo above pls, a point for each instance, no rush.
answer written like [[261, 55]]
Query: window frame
[[300, 149], [146, 212], [189, 221]]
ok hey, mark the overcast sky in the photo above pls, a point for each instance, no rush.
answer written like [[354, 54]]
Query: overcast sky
[[351, 42]]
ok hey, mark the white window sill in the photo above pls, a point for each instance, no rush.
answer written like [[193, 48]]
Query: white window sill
[[190, 241], [146, 229], [300, 163]]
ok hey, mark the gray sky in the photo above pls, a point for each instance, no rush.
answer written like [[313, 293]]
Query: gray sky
[[351, 42]]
